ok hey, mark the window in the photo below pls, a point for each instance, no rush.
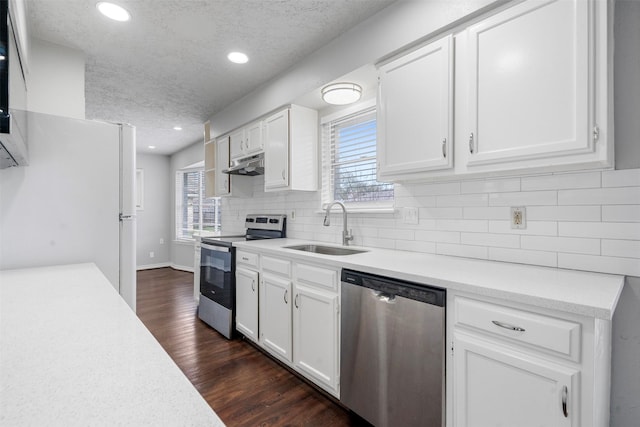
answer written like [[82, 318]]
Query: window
[[349, 161], [194, 212]]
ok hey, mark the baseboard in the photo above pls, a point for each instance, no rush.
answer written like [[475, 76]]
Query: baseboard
[[152, 266], [181, 267]]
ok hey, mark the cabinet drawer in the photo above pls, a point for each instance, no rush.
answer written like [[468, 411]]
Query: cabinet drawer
[[318, 276], [247, 258], [558, 336], [276, 265]]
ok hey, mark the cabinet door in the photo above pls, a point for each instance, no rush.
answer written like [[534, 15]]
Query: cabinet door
[[222, 163], [275, 315], [254, 143], [415, 111], [247, 302], [530, 90], [236, 144], [498, 386], [315, 336], [276, 156]]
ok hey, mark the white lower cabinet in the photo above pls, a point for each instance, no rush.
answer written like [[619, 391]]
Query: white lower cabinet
[[298, 314], [247, 302], [275, 315], [518, 365], [315, 334], [500, 386]]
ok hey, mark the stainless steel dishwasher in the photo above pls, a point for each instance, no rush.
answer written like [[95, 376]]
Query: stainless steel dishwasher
[[392, 350]]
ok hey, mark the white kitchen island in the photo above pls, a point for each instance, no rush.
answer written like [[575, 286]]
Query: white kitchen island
[[73, 353]]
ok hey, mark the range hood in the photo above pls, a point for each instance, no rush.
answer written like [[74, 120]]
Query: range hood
[[250, 166]]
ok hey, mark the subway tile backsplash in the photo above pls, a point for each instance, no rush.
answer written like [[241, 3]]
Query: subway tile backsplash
[[586, 220]]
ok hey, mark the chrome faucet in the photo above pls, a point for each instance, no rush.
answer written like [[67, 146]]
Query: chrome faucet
[[346, 234]]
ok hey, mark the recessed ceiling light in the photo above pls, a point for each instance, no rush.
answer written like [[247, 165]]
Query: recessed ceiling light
[[177, 128], [113, 11], [152, 147], [238, 57]]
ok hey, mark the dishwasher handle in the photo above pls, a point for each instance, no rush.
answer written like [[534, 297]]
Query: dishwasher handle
[[395, 287]]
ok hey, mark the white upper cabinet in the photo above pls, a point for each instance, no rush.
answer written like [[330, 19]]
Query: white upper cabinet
[[246, 141], [291, 145], [415, 111], [276, 171], [254, 142], [236, 142], [533, 87]]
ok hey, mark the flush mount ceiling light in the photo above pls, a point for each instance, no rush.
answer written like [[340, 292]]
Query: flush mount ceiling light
[[341, 93], [177, 128], [152, 147], [113, 11], [238, 58]]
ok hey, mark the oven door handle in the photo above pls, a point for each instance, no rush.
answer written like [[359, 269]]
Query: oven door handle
[[215, 248]]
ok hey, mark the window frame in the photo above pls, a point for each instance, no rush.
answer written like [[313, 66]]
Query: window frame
[[179, 182], [328, 190]]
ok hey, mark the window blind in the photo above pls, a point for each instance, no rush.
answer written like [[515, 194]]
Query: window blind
[[349, 161]]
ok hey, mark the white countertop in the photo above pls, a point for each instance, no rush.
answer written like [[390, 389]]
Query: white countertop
[[72, 353], [579, 292]]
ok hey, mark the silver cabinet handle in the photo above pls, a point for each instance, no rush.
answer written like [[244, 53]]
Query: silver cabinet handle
[[253, 285], [244, 258], [285, 296], [471, 143], [444, 148], [295, 301], [507, 326], [282, 173], [565, 395]]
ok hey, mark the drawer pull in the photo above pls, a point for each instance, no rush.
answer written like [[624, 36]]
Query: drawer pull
[[285, 296], [565, 393], [507, 326], [244, 258]]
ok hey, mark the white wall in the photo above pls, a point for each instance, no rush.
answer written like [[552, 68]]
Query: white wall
[[182, 252], [153, 221], [56, 80]]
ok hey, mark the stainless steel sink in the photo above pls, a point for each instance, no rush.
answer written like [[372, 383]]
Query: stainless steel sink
[[326, 250]]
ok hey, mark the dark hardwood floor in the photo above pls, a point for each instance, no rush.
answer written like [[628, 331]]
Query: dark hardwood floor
[[244, 386]]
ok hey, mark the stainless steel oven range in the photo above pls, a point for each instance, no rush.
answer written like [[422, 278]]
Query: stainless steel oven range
[[217, 270]]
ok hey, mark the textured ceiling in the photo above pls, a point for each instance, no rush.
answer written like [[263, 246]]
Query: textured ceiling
[[168, 66]]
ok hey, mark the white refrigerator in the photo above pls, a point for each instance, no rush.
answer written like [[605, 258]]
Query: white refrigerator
[[74, 202]]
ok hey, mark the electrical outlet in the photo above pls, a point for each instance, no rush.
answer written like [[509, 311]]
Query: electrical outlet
[[292, 216], [410, 215], [161, 241], [519, 217], [151, 255]]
